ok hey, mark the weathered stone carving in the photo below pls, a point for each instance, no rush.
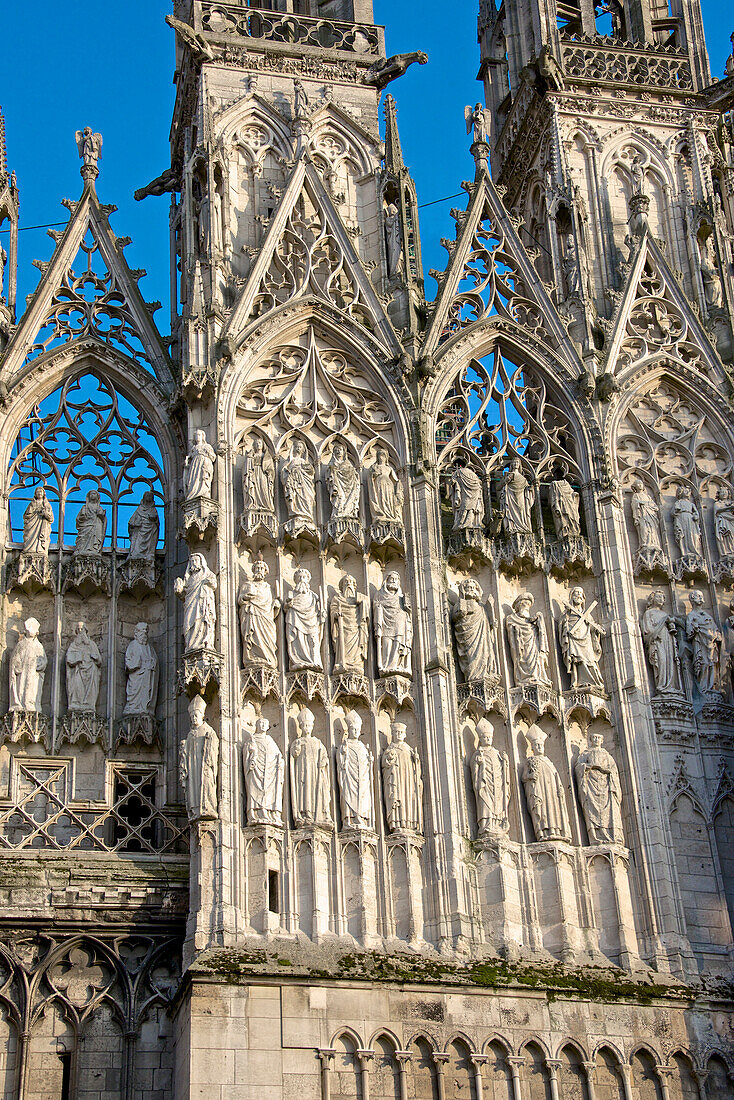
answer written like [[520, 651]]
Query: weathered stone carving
[[386, 496], [646, 518], [199, 764], [141, 667], [393, 237], [91, 525], [686, 524], [528, 640], [659, 631], [342, 482], [474, 625], [600, 793], [349, 620], [83, 671], [724, 521], [393, 625], [466, 493], [299, 488], [258, 487], [258, 610], [304, 624], [544, 791], [712, 289], [491, 779], [476, 123], [197, 589], [143, 528], [37, 522], [27, 669], [354, 772], [264, 776], [565, 503], [402, 783], [310, 776], [579, 639], [516, 498], [705, 640], [199, 468]]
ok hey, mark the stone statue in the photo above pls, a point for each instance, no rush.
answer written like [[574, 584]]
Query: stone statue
[[646, 518], [728, 648], [37, 521], [476, 120], [199, 467], [516, 497], [354, 772], [89, 145], [264, 776], [258, 478], [3, 261], [197, 590], [706, 645], [712, 289], [258, 610], [383, 71], [27, 669], [724, 521], [304, 624], [393, 238], [600, 793], [143, 527], [393, 623], [385, 491], [490, 771], [91, 525], [659, 634], [402, 783], [349, 619], [141, 666], [528, 641], [199, 764], [686, 523], [299, 487], [466, 493], [474, 625], [83, 671], [580, 645], [310, 776], [342, 482], [544, 791], [564, 503], [571, 269]]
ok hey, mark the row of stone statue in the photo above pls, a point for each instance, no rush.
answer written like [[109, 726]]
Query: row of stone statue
[[91, 527], [686, 520], [83, 665], [516, 498], [711, 649], [597, 783]]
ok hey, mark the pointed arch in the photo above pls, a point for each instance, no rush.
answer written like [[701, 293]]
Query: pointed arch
[[358, 143], [238, 126]]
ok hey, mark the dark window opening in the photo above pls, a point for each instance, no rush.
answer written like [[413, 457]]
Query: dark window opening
[[273, 892], [65, 1060]]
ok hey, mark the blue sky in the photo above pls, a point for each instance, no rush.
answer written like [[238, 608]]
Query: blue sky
[[110, 67]]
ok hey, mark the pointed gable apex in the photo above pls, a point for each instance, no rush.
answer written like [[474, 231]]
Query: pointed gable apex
[[88, 292], [308, 253]]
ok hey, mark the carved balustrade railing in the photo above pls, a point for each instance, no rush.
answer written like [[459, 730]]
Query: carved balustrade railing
[[230, 19], [602, 59]]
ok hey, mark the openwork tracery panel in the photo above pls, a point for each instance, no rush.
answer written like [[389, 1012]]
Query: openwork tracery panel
[[656, 325], [86, 436]]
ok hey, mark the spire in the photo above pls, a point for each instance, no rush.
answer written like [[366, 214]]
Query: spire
[[393, 151], [9, 209], [3, 150]]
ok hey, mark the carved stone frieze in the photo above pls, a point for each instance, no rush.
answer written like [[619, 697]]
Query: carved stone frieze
[[87, 573], [307, 684], [31, 573], [25, 727], [260, 680], [78, 727]]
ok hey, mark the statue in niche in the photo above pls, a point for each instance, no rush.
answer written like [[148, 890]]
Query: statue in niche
[[402, 783], [385, 491], [354, 772], [686, 523], [197, 589], [490, 771], [393, 623], [600, 793], [310, 776], [141, 666], [579, 638], [466, 493], [474, 625], [342, 482], [728, 648], [37, 522], [659, 633], [143, 527], [516, 497], [299, 487], [565, 504], [724, 521], [712, 289], [264, 776], [544, 791], [83, 671], [393, 238], [258, 610], [199, 467], [706, 642], [258, 478], [91, 525], [646, 518], [304, 624], [27, 670], [528, 641], [349, 619], [199, 764]]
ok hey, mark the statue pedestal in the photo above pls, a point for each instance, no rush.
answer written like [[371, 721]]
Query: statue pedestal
[[389, 535], [404, 849], [307, 684], [144, 728], [350, 686], [140, 577], [568, 557], [302, 531], [263, 524], [26, 726], [469, 546], [200, 673], [724, 571], [199, 382], [346, 530], [88, 573], [519, 554], [358, 855], [537, 698], [78, 726], [31, 573], [651, 563], [481, 696], [200, 519], [690, 568], [594, 700], [674, 717], [260, 680], [501, 887], [395, 687]]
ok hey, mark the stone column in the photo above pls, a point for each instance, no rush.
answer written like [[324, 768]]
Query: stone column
[[403, 1057], [664, 1072], [479, 1060], [515, 1063], [553, 1066], [365, 1057], [626, 1080], [440, 1058], [326, 1057], [590, 1070]]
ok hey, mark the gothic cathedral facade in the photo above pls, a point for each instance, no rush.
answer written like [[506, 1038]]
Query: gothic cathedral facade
[[367, 695]]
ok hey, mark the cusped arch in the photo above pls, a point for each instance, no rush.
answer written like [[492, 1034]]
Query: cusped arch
[[613, 144], [644, 1049], [253, 110], [332, 120], [425, 1035]]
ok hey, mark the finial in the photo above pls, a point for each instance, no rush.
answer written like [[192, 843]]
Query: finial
[[89, 145], [393, 151], [3, 152], [477, 120]]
